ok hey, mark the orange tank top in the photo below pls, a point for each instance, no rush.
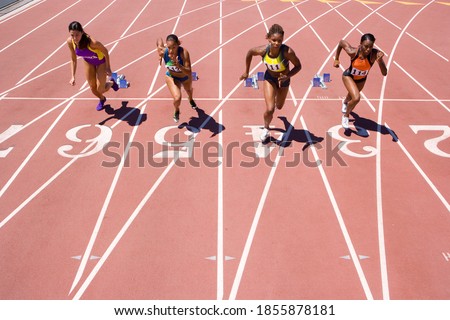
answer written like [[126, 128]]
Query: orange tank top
[[359, 69]]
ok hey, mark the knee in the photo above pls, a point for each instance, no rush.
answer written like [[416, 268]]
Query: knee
[[357, 98], [93, 86], [177, 99]]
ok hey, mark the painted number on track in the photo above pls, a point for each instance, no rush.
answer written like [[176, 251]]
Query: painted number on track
[[370, 151], [94, 145], [5, 135], [432, 144]]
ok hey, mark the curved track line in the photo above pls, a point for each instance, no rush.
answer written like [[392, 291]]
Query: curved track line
[[252, 231], [104, 209], [61, 46], [4, 221], [382, 246], [19, 11], [42, 24]]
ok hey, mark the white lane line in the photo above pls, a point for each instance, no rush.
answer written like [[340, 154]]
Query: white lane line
[[99, 222], [423, 174], [42, 24], [136, 212], [56, 175], [423, 44], [121, 233], [5, 187], [97, 268], [20, 10], [319, 98], [258, 213], [118, 40], [339, 217], [423, 87], [428, 47], [220, 215], [381, 238]]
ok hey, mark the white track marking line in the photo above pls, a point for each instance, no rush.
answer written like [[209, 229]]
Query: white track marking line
[[312, 29], [118, 40], [423, 87], [99, 222], [20, 10], [252, 231], [40, 189], [381, 238], [423, 174], [121, 233], [105, 256], [220, 215], [428, 47], [423, 44], [61, 46], [339, 217], [42, 24], [4, 221], [19, 169]]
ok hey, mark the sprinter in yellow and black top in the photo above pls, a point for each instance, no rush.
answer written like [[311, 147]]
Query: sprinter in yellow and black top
[[276, 56], [361, 60]]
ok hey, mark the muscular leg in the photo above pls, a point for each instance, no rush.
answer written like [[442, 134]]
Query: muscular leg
[[270, 92], [353, 96], [175, 91], [187, 85], [280, 97], [102, 85], [91, 77]]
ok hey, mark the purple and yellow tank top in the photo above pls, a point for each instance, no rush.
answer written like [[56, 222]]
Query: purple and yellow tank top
[[92, 56]]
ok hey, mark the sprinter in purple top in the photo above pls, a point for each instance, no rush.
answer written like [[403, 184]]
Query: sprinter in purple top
[[96, 57]]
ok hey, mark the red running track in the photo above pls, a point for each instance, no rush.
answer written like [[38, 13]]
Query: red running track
[[204, 211]]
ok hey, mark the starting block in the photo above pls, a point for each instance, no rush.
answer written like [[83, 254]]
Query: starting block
[[319, 81], [120, 80], [194, 76], [252, 81]]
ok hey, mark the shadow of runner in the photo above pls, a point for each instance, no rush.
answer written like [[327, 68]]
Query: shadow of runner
[[132, 116], [363, 125], [299, 135], [203, 121]]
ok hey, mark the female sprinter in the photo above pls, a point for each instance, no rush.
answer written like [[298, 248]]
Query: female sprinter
[[276, 57], [178, 64], [96, 62], [361, 60]]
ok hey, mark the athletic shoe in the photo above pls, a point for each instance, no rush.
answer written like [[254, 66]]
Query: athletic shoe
[[344, 107], [193, 104], [345, 122], [101, 105], [115, 86], [264, 135], [176, 116]]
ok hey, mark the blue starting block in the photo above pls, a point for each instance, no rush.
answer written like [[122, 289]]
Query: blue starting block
[[252, 81], [120, 80], [319, 81], [194, 76]]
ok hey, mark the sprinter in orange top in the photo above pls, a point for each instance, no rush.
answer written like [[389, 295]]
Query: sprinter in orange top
[[354, 78]]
